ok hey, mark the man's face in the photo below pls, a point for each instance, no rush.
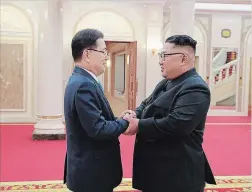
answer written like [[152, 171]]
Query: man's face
[[171, 59], [97, 57]]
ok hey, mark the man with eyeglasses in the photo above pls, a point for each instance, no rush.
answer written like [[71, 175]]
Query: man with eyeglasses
[[170, 125], [93, 160]]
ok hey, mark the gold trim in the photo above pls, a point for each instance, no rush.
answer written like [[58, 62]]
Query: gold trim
[[242, 177], [49, 117], [15, 123]]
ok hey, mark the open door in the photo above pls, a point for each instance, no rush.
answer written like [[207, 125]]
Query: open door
[[120, 84]]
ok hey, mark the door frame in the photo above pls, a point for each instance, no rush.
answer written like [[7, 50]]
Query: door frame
[[132, 83]]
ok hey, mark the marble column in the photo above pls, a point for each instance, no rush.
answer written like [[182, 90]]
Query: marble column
[[68, 33], [154, 15], [49, 75], [182, 17]]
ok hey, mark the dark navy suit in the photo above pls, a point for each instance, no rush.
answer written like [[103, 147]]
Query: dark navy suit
[[93, 160]]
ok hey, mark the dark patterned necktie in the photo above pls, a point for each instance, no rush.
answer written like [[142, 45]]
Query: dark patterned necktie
[[101, 93]]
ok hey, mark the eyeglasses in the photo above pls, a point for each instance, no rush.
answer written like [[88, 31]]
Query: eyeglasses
[[104, 52], [163, 55]]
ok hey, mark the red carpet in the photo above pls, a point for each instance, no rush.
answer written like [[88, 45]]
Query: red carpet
[[228, 148], [23, 159]]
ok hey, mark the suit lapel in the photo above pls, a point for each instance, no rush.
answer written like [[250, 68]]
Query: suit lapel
[[98, 88], [101, 93]]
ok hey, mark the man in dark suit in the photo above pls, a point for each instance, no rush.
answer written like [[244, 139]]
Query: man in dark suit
[[170, 124], [93, 161]]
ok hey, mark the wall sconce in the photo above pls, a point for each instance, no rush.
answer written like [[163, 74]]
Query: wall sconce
[[154, 51], [155, 47]]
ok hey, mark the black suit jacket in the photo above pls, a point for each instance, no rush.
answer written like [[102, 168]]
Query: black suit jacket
[[168, 151], [93, 161]]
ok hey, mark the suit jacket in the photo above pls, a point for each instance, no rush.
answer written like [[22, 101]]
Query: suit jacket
[[93, 161], [168, 152]]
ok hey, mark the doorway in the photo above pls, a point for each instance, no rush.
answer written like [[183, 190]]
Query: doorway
[[119, 79]]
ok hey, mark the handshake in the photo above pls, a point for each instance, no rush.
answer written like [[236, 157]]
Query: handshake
[[130, 116]]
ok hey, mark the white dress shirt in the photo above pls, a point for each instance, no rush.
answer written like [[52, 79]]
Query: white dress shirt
[[92, 74]]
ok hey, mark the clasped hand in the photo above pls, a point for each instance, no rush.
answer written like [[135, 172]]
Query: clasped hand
[[130, 116]]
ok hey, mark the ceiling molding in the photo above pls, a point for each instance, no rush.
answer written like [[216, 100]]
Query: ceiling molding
[[246, 2]]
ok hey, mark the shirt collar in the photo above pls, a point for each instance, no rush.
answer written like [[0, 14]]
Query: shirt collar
[[92, 74]]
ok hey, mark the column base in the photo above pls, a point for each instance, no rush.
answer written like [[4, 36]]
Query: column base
[[49, 130], [36, 136]]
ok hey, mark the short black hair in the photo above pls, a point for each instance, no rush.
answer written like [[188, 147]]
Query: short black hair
[[182, 40], [84, 39]]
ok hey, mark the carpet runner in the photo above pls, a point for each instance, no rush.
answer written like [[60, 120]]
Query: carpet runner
[[225, 184]]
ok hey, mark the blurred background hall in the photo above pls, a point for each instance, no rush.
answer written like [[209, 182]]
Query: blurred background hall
[[36, 63]]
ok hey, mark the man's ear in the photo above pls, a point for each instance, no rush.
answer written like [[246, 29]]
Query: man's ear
[[85, 55], [184, 59]]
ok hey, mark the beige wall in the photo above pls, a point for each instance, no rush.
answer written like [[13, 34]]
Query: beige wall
[[134, 22]]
